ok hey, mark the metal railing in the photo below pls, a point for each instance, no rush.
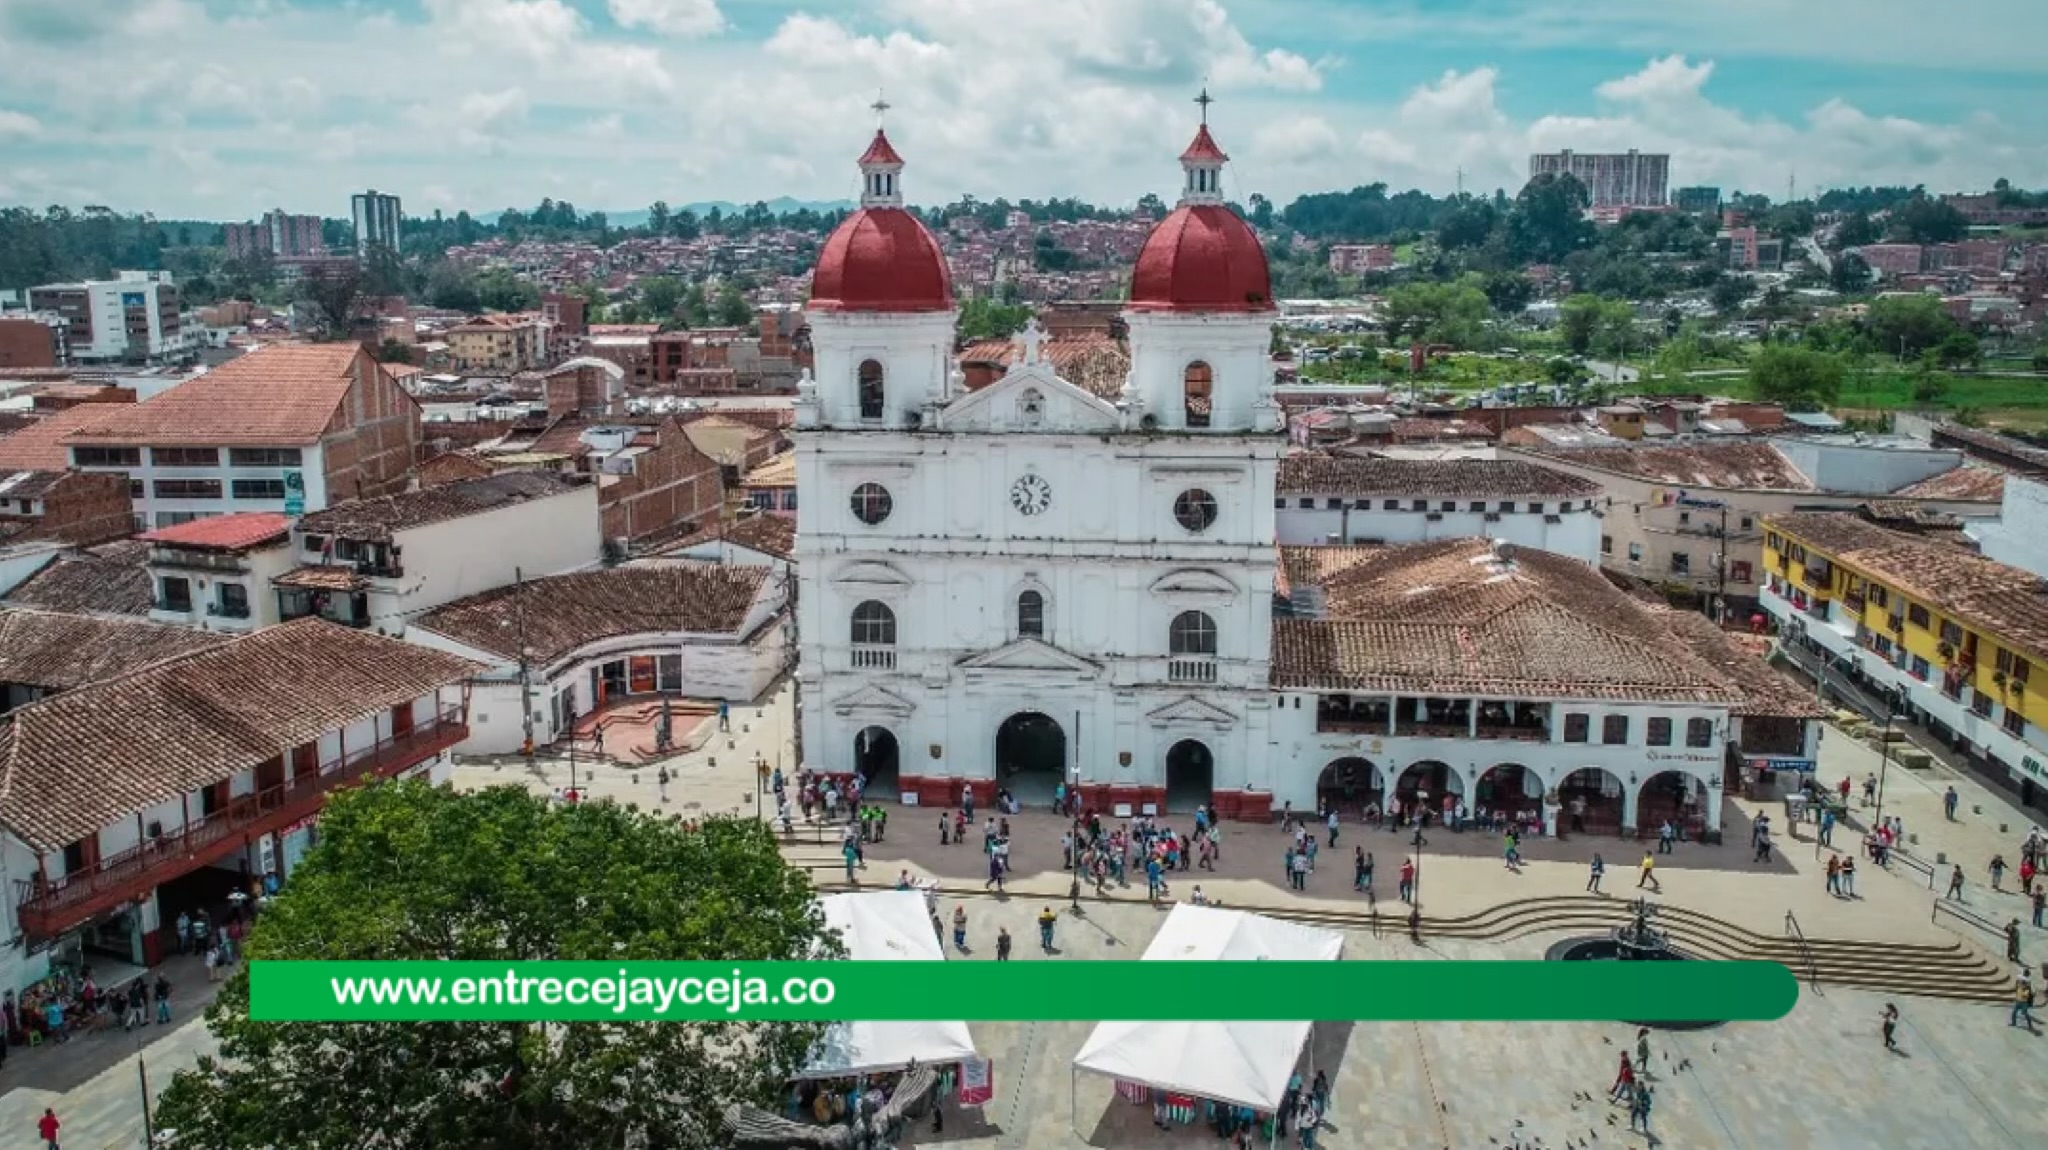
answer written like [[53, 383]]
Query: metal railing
[[1966, 916], [1913, 862], [1805, 950]]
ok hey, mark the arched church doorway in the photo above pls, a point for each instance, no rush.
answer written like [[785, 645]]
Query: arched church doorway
[[1190, 775], [876, 758], [1352, 785], [1031, 757]]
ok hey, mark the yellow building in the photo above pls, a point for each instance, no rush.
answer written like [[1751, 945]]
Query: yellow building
[[498, 343], [1954, 634]]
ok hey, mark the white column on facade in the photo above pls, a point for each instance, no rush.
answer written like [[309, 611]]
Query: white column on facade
[[1629, 794]]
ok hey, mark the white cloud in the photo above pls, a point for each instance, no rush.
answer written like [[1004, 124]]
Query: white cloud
[[680, 18], [490, 103], [19, 125]]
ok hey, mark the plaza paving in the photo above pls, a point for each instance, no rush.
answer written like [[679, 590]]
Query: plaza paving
[[1818, 1078]]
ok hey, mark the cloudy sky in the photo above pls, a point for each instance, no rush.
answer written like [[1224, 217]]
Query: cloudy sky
[[222, 108]]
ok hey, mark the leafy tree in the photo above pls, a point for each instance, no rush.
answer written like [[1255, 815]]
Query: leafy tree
[[1508, 292], [411, 871], [732, 308], [1564, 372], [500, 290], [1855, 231], [454, 288], [1727, 294], [2040, 362], [982, 318], [1589, 323], [1548, 221], [1799, 378], [661, 296], [1467, 226], [1261, 216], [658, 218], [1849, 274], [392, 351], [1930, 387], [1453, 314], [1925, 220], [333, 297], [1958, 349], [1906, 325], [696, 306], [1151, 205]]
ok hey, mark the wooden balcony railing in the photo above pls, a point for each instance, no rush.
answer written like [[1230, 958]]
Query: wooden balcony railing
[[48, 909], [1523, 734]]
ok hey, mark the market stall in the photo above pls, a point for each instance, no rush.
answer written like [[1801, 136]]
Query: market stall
[[1192, 1065], [886, 926]]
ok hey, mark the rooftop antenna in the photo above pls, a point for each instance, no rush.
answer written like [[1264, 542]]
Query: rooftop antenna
[[1461, 183]]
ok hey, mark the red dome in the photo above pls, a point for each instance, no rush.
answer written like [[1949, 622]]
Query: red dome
[[882, 259], [1202, 258]]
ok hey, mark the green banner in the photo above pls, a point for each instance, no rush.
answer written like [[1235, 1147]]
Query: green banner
[[1020, 991]]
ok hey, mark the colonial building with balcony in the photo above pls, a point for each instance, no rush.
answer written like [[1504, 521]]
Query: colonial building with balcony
[[215, 573], [564, 646], [1947, 636], [132, 799], [1505, 679], [379, 562]]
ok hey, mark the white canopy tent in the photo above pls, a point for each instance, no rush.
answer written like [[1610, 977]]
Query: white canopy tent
[[1244, 1063], [891, 925]]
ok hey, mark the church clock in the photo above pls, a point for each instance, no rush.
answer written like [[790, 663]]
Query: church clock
[[1031, 494]]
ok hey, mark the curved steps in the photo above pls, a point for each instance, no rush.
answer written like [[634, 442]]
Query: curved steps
[[1954, 971]]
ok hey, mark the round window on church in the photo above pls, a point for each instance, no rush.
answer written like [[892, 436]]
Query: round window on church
[[1195, 510], [871, 503]]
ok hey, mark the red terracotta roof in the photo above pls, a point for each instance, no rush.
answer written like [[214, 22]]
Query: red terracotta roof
[[223, 532], [282, 394], [40, 445], [108, 580], [60, 651], [1310, 473], [1204, 148], [882, 260], [1202, 258], [75, 762], [879, 151]]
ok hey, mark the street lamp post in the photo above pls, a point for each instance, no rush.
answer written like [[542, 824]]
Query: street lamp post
[[1884, 749]]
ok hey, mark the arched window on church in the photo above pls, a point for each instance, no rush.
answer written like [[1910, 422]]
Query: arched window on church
[[1192, 633], [1031, 615], [1030, 407], [870, 378], [1195, 390]]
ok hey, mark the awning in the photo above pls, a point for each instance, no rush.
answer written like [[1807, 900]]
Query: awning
[[886, 926]]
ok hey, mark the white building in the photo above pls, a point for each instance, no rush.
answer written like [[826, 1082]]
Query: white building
[[1350, 499], [131, 317], [378, 563], [663, 630], [218, 760], [2019, 535], [215, 574], [1028, 583], [1512, 679], [377, 221]]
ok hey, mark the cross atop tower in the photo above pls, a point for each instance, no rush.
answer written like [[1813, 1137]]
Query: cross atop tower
[[880, 107], [1205, 99]]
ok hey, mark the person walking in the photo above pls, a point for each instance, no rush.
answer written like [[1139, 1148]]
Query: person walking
[[1848, 876], [1827, 828], [1624, 1081], [661, 783], [995, 872], [1955, 883], [1948, 804], [1835, 875], [1361, 873], [960, 929], [163, 999], [1407, 884], [1331, 823], [1997, 869], [2040, 903], [1888, 1025], [1046, 919], [1002, 944], [1643, 1051], [47, 1127], [1666, 835], [1597, 872], [1870, 789], [1510, 852], [1300, 871], [1648, 878], [2022, 1002], [1639, 1108], [2012, 941]]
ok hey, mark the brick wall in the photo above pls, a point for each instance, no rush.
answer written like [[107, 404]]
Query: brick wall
[[673, 485], [82, 508], [27, 343], [374, 441]]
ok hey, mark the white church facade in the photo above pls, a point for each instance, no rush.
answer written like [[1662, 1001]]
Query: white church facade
[[1026, 584]]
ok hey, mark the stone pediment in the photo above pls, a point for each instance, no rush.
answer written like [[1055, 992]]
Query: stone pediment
[[872, 575], [1030, 397], [1191, 711], [1194, 583], [873, 700], [1031, 656]]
